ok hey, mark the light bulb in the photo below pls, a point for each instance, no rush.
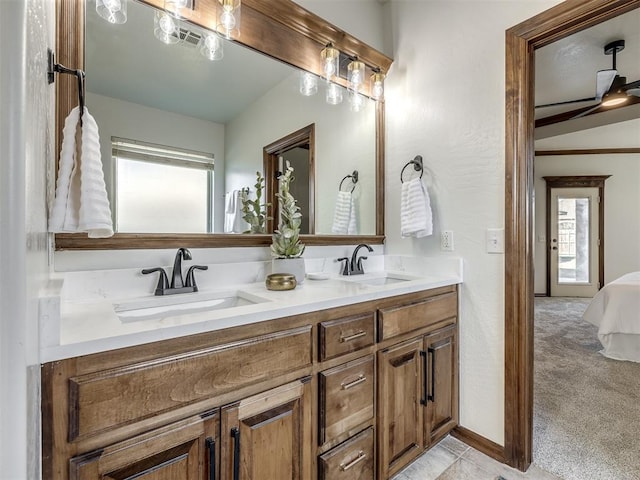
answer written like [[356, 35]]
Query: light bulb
[[334, 94], [308, 84], [228, 17], [113, 11], [356, 102], [165, 28], [330, 58], [210, 47], [355, 75], [175, 7], [227, 20], [377, 85]]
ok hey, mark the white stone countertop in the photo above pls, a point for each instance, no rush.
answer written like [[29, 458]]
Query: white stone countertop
[[81, 319]]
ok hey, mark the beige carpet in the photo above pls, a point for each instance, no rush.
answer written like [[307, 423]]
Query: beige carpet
[[586, 407]]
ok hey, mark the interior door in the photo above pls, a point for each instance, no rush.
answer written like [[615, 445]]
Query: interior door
[[573, 248]]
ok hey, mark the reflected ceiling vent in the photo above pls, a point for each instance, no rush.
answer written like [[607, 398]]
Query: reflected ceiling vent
[[188, 37]]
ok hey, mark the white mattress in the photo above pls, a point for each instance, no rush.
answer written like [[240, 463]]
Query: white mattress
[[615, 310]]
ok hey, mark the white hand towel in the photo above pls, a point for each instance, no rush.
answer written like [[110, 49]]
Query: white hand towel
[[416, 219], [233, 221], [81, 203], [344, 215]]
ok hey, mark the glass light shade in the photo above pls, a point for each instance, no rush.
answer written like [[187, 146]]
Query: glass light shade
[[113, 11], [166, 28], [356, 101], [330, 61], [308, 84], [333, 94], [613, 99], [377, 85], [355, 75], [210, 46], [176, 7], [228, 18]]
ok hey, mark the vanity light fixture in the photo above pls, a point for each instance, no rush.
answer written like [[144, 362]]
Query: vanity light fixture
[[113, 11], [377, 84], [333, 95], [355, 75], [166, 28], [176, 7], [228, 18], [308, 84], [210, 46], [330, 61]]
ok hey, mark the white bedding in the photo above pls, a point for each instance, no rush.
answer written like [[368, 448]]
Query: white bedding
[[615, 310]]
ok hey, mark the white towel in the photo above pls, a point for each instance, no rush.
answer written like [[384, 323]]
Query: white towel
[[345, 215], [233, 221], [81, 203], [416, 219]]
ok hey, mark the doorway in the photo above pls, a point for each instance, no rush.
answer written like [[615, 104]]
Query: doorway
[[575, 229], [521, 41], [298, 150]]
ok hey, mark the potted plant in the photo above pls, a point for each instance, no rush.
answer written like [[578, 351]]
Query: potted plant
[[254, 212], [286, 247]]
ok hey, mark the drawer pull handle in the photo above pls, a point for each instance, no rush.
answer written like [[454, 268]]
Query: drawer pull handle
[[211, 446], [348, 338], [361, 378], [235, 434], [361, 456]]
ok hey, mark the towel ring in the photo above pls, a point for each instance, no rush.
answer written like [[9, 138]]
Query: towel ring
[[417, 166], [354, 179]]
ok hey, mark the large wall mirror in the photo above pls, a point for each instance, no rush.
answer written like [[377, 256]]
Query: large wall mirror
[[183, 137]]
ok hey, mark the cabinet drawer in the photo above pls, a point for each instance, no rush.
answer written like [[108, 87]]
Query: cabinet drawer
[[346, 397], [111, 398], [345, 335], [406, 318], [351, 460]]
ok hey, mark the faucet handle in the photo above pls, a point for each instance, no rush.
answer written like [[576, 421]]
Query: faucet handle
[[346, 268], [191, 278], [163, 280]]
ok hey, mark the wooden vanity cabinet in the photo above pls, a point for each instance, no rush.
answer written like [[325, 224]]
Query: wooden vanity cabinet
[[417, 381], [185, 450], [350, 393], [268, 436]]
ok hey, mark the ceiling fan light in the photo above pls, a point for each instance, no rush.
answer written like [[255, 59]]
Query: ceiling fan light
[[614, 99]]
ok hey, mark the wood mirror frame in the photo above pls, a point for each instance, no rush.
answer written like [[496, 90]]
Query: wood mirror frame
[[278, 28]]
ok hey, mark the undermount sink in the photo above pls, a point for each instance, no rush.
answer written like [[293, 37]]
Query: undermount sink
[[381, 278], [165, 306]]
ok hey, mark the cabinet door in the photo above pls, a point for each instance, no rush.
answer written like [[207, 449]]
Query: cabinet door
[[184, 450], [268, 436], [400, 413], [442, 384]]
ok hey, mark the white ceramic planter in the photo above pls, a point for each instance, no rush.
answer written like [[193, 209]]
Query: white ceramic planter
[[294, 266]]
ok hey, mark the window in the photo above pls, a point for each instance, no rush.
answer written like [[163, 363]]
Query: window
[[159, 189]]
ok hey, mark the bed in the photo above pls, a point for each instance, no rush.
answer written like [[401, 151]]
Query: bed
[[615, 310]]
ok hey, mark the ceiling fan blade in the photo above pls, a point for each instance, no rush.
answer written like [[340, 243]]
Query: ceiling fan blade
[[567, 102], [631, 86], [604, 80], [586, 112], [634, 91]]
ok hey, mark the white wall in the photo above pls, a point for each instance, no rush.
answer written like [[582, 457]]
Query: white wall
[[26, 146], [445, 101], [622, 193], [118, 118], [344, 141]]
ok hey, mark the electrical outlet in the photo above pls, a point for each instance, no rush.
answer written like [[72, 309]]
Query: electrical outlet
[[446, 240]]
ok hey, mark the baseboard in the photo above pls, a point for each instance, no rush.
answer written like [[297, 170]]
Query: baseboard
[[480, 443], [540, 295]]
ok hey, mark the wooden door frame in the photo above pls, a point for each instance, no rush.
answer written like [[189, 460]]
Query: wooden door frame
[[572, 181], [558, 22], [270, 153]]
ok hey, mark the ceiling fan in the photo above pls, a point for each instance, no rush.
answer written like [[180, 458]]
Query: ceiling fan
[[611, 88]]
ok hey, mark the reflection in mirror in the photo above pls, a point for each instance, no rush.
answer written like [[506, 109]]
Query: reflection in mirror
[[167, 108]]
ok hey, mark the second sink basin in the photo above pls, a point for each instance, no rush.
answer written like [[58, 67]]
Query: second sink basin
[[165, 306], [381, 278]]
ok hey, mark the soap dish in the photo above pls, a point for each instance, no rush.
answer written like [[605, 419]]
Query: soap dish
[[280, 281]]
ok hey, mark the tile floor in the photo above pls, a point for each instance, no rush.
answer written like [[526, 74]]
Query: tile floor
[[453, 460]]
